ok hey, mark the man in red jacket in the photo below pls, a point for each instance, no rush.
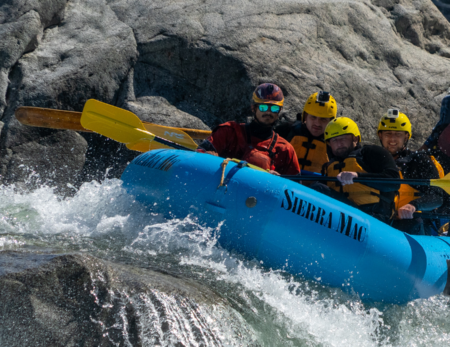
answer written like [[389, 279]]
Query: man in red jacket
[[256, 142]]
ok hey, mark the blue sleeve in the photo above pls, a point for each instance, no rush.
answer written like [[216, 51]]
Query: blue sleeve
[[444, 120]]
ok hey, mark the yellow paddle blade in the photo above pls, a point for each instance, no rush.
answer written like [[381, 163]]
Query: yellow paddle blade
[[112, 122], [443, 183], [125, 127]]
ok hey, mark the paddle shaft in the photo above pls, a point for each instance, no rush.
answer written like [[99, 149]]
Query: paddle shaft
[[431, 215], [171, 144], [49, 118], [422, 182]]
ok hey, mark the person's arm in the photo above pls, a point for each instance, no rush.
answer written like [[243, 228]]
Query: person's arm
[[286, 161], [427, 202], [219, 141], [207, 147], [422, 167], [432, 140], [292, 166], [379, 164]]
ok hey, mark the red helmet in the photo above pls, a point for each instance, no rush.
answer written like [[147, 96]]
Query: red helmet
[[268, 93]]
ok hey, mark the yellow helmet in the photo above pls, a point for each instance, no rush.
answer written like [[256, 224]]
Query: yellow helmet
[[341, 126], [320, 104], [394, 120]]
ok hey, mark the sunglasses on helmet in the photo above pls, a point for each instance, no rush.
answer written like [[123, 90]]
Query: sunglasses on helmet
[[273, 108]]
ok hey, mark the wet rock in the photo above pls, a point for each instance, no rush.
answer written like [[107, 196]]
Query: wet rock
[[78, 300], [86, 54], [22, 25], [55, 159], [158, 110]]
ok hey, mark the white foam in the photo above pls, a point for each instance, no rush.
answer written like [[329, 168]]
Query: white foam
[[282, 310]]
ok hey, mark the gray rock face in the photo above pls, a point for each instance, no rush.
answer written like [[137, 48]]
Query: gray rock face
[[54, 159], [370, 55], [22, 25], [85, 55], [156, 109], [195, 63], [78, 300]]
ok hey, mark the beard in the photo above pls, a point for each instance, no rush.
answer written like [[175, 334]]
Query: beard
[[342, 152], [265, 118]]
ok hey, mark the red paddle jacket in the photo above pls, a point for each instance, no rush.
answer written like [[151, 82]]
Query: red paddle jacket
[[233, 140]]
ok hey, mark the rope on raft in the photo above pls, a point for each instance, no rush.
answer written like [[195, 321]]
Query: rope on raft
[[224, 166]]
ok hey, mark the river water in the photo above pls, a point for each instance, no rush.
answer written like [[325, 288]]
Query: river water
[[260, 306]]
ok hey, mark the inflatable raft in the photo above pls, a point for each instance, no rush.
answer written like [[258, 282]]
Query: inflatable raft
[[291, 227]]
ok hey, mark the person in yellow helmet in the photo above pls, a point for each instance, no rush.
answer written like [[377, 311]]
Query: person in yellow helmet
[[306, 134], [349, 160], [394, 131]]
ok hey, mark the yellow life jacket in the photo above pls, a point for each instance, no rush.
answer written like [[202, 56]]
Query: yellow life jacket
[[405, 195], [359, 193], [311, 154]]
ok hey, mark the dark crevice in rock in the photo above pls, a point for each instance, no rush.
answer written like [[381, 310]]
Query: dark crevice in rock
[[15, 78], [182, 83], [56, 20], [121, 94], [197, 79], [103, 164]]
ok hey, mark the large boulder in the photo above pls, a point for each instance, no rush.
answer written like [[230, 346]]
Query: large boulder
[[195, 63], [205, 56], [85, 52], [78, 300], [22, 25]]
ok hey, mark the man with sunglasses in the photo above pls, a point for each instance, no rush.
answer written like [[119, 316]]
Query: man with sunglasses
[[256, 142]]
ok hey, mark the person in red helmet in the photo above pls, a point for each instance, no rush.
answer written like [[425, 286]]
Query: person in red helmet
[[256, 142]]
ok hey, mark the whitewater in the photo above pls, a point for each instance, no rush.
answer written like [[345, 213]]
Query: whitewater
[[259, 306]]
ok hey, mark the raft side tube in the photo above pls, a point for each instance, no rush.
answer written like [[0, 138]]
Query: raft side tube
[[291, 227]]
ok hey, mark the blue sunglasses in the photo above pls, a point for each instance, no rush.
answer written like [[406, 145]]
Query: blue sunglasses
[[273, 108]]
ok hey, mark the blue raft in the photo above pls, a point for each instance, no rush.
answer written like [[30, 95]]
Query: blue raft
[[289, 226]]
